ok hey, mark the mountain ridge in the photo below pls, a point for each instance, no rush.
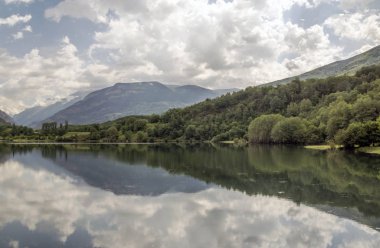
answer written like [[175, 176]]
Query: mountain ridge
[[137, 98], [338, 68]]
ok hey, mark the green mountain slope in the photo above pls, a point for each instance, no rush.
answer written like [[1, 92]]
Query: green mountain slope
[[339, 68]]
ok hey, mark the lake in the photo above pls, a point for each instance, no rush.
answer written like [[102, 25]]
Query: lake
[[187, 196]]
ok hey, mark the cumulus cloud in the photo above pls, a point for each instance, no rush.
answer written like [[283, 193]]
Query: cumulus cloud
[[217, 45], [15, 19], [212, 218], [32, 78], [356, 26]]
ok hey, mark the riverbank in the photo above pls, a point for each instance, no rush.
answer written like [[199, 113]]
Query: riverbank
[[369, 150]]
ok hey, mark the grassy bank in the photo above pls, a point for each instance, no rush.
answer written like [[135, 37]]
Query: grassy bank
[[370, 150], [323, 147]]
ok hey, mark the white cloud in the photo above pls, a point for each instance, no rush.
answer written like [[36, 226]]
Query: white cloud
[[27, 29], [212, 218], [356, 26], [18, 1], [33, 78], [15, 19], [224, 44], [309, 44], [18, 35]]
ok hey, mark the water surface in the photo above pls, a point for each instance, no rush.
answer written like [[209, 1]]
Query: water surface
[[187, 196]]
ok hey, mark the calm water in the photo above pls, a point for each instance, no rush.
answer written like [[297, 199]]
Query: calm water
[[187, 196]]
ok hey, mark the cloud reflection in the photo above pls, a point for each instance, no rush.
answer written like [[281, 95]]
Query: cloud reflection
[[211, 218]]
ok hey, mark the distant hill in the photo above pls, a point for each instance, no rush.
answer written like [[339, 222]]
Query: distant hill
[[123, 99], [5, 118], [33, 116], [344, 67]]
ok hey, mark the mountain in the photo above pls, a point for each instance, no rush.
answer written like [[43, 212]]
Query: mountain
[[338, 68], [5, 118], [33, 116], [123, 99]]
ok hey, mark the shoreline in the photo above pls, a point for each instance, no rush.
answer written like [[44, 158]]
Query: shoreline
[[374, 150]]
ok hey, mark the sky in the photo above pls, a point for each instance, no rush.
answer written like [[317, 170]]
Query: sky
[[50, 49]]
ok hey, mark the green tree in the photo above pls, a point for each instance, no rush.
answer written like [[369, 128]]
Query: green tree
[[339, 117], [141, 136], [293, 109], [112, 134], [365, 109], [289, 131], [191, 132], [306, 106], [259, 130]]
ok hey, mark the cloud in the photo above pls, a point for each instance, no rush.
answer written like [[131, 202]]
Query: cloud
[[18, 1], [18, 35], [217, 45], [27, 29], [356, 26], [32, 78], [15, 19], [212, 218]]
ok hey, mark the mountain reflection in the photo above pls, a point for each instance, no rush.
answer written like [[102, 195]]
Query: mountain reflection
[[63, 196]]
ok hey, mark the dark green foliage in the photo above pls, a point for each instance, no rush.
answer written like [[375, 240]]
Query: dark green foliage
[[361, 134]]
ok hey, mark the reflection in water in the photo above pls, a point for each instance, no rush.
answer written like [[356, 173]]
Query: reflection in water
[[65, 199]]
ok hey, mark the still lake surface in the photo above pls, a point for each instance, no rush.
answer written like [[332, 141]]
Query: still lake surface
[[187, 196]]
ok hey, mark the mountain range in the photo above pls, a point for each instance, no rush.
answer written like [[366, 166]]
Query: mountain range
[[119, 100], [339, 68]]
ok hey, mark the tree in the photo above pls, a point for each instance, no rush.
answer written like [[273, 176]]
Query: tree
[[361, 134], [289, 131], [259, 130], [191, 132], [276, 104], [141, 136], [339, 116], [112, 134], [306, 106], [293, 109], [365, 109]]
